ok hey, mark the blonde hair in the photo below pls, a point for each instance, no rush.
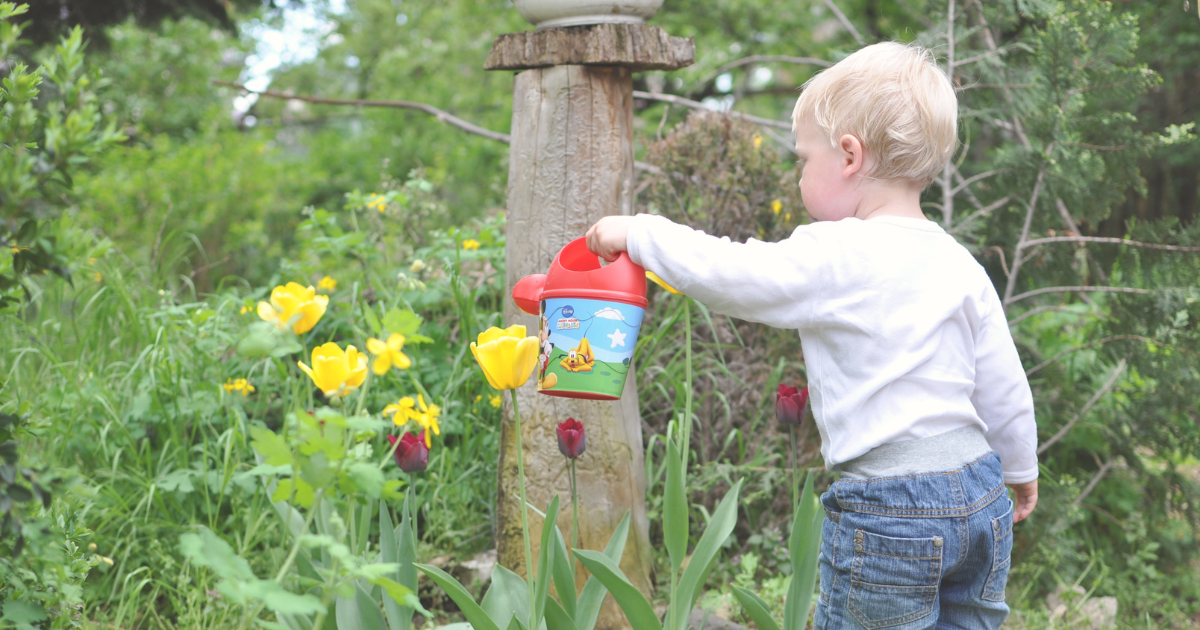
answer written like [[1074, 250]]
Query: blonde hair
[[896, 100]]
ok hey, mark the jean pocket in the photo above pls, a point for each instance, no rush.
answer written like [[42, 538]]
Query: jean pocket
[[894, 580], [993, 589]]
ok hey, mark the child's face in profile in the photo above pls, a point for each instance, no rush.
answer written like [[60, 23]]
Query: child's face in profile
[[826, 185]]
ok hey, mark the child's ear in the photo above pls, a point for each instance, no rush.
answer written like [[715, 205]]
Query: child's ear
[[853, 156]]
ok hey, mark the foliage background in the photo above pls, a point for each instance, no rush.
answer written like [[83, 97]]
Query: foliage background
[[197, 213]]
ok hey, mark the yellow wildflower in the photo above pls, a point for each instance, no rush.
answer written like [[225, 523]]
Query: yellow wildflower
[[295, 306], [239, 385], [776, 206], [97, 276], [478, 397], [495, 400], [470, 244], [378, 202], [245, 309], [787, 216], [506, 355], [417, 411], [388, 354], [757, 141], [417, 266], [327, 283], [335, 371]]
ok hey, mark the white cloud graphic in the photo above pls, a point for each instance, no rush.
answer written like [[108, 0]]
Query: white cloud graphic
[[609, 313]]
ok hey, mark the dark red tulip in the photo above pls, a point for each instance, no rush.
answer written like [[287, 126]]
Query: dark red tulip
[[572, 439], [412, 455], [791, 405]]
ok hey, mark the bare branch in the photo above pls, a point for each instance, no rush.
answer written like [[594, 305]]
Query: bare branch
[[1095, 480], [990, 53], [1091, 344], [845, 22], [1029, 294], [980, 212], [1042, 309], [972, 179], [745, 61], [1033, 198], [1112, 380], [441, 115], [687, 102], [1115, 241]]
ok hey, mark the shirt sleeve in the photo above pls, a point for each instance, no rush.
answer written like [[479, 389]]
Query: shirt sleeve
[[771, 283], [1002, 397]]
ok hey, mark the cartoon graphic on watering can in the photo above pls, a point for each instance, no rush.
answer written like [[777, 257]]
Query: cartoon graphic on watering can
[[590, 318]]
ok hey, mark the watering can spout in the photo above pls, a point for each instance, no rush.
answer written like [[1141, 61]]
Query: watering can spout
[[528, 293]]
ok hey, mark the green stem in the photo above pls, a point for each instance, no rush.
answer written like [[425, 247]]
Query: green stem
[[362, 394], [795, 474], [524, 516], [575, 508], [687, 399], [291, 557]]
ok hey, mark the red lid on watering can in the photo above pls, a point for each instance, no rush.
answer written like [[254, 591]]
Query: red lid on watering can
[[576, 272]]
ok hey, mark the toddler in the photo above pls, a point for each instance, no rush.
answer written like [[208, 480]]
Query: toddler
[[917, 390]]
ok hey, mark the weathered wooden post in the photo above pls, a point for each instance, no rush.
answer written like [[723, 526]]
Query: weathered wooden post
[[571, 163]]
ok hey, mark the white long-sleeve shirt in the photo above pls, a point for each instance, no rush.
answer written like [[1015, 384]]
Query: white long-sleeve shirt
[[904, 336]]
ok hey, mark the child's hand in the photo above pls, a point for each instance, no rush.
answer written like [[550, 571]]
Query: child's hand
[[606, 238], [1026, 499]]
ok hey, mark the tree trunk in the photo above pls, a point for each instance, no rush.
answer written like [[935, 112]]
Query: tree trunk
[[571, 163]]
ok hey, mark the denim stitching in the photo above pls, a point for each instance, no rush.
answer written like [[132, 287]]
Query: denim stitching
[[867, 508], [931, 593]]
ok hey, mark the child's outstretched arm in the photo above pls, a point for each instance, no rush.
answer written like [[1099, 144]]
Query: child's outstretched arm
[[769, 283]]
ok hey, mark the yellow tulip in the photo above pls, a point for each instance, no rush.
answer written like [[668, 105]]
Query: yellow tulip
[[334, 371], [295, 306], [506, 355], [653, 277], [388, 354]]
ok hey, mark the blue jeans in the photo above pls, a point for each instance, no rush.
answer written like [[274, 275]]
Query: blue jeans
[[928, 550]]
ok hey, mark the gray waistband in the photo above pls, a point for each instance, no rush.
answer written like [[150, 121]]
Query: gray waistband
[[945, 451]]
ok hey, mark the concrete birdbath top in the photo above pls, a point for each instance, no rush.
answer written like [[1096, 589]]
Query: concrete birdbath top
[[551, 13]]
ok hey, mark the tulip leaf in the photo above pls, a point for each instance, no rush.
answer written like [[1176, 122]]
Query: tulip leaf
[[507, 597], [587, 608], [372, 320], [720, 525], [541, 583], [557, 618], [803, 546], [475, 615], [359, 612], [755, 608], [390, 550], [637, 609], [675, 510], [564, 576]]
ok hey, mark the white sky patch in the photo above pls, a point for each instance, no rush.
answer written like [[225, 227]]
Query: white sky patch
[[610, 313], [304, 29]]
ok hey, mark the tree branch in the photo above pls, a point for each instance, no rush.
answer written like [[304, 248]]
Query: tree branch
[[1115, 241], [1028, 294], [845, 22], [745, 61], [1033, 198], [687, 102], [1095, 480], [1112, 380], [1042, 309], [441, 115], [1091, 344]]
